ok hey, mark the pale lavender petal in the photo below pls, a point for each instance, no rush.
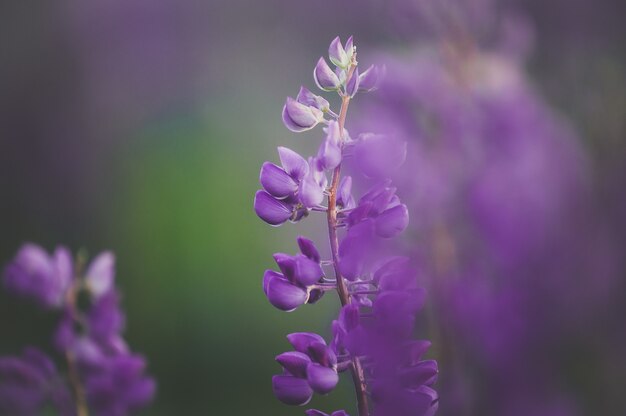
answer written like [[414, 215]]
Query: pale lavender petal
[[393, 221], [311, 194], [352, 85], [100, 274], [324, 76], [337, 53], [306, 97], [299, 117], [294, 164], [344, 191], [370, 78], [329, 154]]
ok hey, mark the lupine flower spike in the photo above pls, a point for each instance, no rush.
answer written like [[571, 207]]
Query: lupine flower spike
[[103, 376], [379, 296]]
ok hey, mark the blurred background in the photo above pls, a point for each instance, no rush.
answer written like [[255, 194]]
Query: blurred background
[[140, 126]]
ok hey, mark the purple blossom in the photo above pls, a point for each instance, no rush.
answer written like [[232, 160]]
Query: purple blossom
[[29, 382], [36, 274], [372, 338], [103, 375]]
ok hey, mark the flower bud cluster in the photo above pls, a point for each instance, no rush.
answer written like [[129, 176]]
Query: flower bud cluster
[[104, 376], [380, 298]]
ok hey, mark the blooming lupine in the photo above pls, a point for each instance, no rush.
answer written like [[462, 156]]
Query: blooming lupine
[[103, 376], [378, 291]]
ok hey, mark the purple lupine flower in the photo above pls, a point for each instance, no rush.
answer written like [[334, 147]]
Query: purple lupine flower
[[312, 367], [299, 117], [296, 284], [372, 338], [36, 274], [29, 382], [104, 376]]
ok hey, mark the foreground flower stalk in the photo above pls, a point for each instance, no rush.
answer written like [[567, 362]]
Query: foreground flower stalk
[[378, 292]]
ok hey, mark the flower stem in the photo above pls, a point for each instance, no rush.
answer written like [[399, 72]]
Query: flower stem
[[74, 376], [358, 376]]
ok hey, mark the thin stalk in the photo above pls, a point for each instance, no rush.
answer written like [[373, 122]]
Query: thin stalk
[[74, 377], [358, 376]]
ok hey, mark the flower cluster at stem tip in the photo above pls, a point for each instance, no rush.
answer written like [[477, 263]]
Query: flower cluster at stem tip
[[372, 338], [103, 376]]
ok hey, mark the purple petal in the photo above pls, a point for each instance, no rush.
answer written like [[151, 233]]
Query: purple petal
[[313, 412], [276, 181], [349, 317], [329, 154], [393, 221], [311, 194], [294, 164], [352, 86], [100, 274], [306, 97], [307, 247], [307, 271], [287, 265], [370, 79], [322, 354], [299, 117], [340, 413], [267, 276], [344, 192], [423, 373], [349, 48], [337, 53], [284, 295], [294, 362], [378, 156], [270, 209], [321, 379], [302, 340], [416, 349], [291, 390], [324, 77]]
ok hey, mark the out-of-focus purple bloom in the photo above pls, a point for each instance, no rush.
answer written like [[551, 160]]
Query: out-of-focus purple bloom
[[35, 274], [379, 156], [370, 78], [100, 274], [89, 335], [29, 382], [116, 385]]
